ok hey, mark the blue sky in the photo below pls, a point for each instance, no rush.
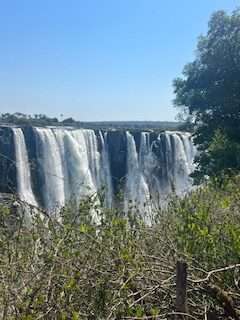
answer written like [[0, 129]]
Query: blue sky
[[98, 59]]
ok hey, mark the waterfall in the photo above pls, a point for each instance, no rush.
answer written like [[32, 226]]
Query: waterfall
[[190, 151], [137, 197], [144, 151], [80, 176], [24, 187], [106, 179], [93, 157], [72, 165], [50, 161], [182, 165], [60, 134], [149, 164], [80, 163], [152, 177]]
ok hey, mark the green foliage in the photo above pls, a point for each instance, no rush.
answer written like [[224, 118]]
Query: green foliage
[[18, 118], [78, 267], [209, 94], [208, 224]]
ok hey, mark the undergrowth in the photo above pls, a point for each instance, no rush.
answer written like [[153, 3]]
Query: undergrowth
[[73, 268]]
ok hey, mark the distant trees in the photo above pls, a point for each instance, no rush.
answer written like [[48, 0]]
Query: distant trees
[[68, 121], [18, 118], [209, 94], [42, 120]]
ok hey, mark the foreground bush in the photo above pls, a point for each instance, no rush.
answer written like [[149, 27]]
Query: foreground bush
[[72, 268]]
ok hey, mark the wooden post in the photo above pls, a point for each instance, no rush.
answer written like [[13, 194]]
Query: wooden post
[[211, 315], [181, 289]]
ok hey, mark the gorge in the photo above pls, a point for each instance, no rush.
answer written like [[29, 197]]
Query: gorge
[[49, 166]]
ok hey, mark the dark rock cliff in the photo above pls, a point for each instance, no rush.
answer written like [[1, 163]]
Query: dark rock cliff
[[8, 183], [117, 146], [35, 167]]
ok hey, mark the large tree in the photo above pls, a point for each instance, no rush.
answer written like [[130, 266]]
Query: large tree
[[209, 93]]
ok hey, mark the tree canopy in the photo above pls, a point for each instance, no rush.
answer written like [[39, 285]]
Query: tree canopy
[[209, 94]]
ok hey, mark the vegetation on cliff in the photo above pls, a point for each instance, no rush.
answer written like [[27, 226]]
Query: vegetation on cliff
[[41, 120]]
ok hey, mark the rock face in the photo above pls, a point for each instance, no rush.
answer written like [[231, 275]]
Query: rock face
[[56, 164], [8, 181], [117, 146], [35, 167]]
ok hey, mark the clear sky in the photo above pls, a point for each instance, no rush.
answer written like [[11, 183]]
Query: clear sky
[[98, 59]]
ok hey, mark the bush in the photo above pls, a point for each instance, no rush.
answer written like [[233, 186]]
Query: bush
[[75, 268]]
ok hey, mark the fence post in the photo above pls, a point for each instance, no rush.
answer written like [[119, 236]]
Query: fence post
[[181, 289]]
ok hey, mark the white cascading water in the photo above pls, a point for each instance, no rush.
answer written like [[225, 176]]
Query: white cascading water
[[72, 165], [75, 164], [148, 164], [79, 172], [105, 173], [151, 180], [190, 150], [49, 157], [166, 184], [144, 153], [60, 134], [182, 165], [94, 157], [137, 196], [24, 187]]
